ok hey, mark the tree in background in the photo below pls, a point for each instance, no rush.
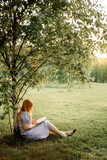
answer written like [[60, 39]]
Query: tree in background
[[99, 72], [40, 34]]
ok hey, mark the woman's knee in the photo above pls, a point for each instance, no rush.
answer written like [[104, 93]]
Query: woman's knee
[[47, 122]]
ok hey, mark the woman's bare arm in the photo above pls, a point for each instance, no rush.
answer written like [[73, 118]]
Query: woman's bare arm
[[27, 127]]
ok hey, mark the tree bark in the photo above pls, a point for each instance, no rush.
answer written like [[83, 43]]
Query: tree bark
[[15, 105], [15, 119], [14, 72], [10, 121]]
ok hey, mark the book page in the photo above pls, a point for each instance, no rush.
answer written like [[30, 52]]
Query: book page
[[41, 119]]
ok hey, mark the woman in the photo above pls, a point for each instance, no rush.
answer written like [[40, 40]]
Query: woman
[[36, 131]]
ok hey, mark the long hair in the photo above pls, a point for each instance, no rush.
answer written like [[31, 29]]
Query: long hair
[[27, 105]]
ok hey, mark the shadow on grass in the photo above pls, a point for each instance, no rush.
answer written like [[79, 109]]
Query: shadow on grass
[[17, 140], [51, 148], [12, 140]]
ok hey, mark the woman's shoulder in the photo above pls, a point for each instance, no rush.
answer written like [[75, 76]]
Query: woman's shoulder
[[25, 116], [24, 113]]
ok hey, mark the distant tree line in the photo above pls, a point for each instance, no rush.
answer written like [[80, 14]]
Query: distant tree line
[[99, 73]]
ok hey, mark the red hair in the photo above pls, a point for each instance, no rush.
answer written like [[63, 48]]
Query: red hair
[[27, 105]]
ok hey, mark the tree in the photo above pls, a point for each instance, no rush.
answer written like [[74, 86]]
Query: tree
[[35, 34], [99, 72]]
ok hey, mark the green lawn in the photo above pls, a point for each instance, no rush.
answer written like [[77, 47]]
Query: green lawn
[[83, 107]]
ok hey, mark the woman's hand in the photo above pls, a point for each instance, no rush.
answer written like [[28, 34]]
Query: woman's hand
[[36, 124]]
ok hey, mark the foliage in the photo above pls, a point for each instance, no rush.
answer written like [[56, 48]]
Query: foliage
[[58, 34], [99, 73], [60, 77]]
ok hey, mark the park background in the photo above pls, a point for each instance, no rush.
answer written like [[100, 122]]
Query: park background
[[82, 106]]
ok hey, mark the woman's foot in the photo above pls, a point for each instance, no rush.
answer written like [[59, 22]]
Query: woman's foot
[[69, 133]]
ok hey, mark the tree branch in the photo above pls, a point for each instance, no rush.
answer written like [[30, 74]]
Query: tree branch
[[26, 4], [4, 37], [25, 91], [5, 59], [25, 74], [20, 48], [33, 74], [22, 62], [35, 69], [2, 61], [21, 14]]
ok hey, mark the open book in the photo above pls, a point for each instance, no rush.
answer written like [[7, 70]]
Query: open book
[[41, 119]]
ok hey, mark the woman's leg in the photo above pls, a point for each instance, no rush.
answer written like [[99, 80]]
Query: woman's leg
[[61, 133], [55, 130]]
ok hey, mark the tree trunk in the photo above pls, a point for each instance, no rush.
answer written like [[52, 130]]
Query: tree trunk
[[10, 124], [14, 74], [15, 105], [15, 119]]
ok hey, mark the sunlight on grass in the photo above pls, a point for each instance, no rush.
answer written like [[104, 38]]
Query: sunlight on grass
[[84, 108]]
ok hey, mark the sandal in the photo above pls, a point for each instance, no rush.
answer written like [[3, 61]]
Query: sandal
[[73, 132]]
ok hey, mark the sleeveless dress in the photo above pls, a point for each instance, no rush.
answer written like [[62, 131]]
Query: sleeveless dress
[[39, 132]]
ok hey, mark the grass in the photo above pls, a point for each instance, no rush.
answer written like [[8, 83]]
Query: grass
[[83, 107]]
